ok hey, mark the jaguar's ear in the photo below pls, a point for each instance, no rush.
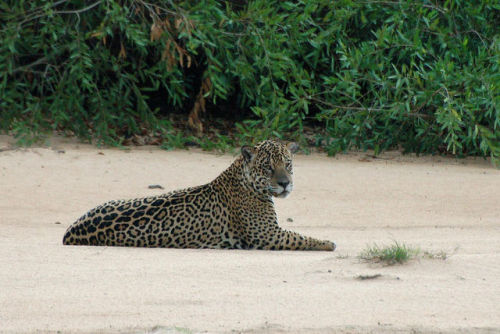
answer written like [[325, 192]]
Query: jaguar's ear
[[247, 152], [292, 147]]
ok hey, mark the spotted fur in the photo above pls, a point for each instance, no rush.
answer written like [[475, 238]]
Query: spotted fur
[[235, 210]]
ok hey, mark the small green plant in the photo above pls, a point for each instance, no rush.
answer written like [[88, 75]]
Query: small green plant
[[182, 330], [172, 330], [218, 143], [176, 140], [392, 254]]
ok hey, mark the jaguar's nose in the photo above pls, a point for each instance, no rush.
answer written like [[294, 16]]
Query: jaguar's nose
[[284, 184]]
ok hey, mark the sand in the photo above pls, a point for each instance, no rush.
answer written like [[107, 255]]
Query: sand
[[436, 204]]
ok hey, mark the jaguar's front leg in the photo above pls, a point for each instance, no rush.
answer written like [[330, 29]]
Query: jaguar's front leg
[[276, 238]]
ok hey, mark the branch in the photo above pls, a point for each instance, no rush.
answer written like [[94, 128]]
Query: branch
[[411, 114], [78, 11], [345, 107], [39, 61], [150, 6], [40, 9], [439, 9]]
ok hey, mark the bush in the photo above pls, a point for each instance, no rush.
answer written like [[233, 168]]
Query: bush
[[421, 76]]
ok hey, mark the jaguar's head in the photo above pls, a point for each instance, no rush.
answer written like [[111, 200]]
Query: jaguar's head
[[268, 167]]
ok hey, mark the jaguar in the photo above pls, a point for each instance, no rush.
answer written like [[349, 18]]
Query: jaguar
[[235, 210]]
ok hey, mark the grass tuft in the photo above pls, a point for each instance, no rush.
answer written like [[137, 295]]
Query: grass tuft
[[390, 255]]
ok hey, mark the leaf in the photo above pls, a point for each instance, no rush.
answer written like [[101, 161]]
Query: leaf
[[122, 54], [156, 32]]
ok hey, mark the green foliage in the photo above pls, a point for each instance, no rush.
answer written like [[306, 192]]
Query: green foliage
[[393, 254], [221, 144], [422, 76]]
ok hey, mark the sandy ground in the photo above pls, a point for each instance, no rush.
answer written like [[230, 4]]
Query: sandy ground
[[434, 203]]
